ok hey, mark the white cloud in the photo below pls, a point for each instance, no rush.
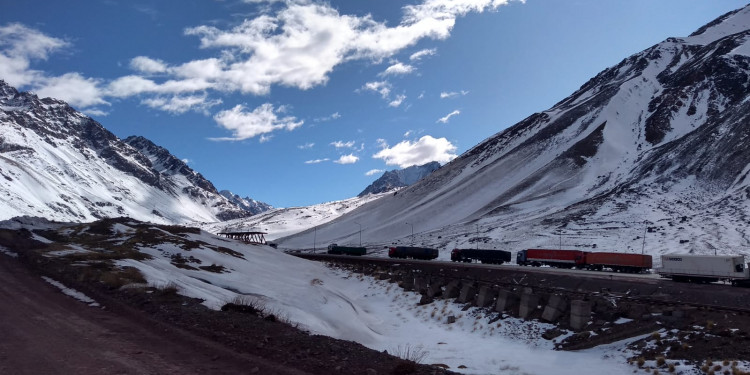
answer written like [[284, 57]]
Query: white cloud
[[306, 146], [426, 149], [19, 46], [347, 159], [294, 43], [398, 69], [381, 87], [416, 56], [397, 101], [72, 88], [447, 117], [333, 116], [95, 112], [148, 65], [265, 138], [262, 120], [342, 144], [453, 94], [316, 161], [181, 104], [373, 172]]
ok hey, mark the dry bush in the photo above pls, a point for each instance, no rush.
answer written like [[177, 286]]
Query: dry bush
[[412, 353]]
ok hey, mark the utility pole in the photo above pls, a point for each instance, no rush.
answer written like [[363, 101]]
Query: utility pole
[[645, 229], [360, 233], [559, 231], [412, 233]]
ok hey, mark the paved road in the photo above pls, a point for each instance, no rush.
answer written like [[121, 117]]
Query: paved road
[[43, 331]]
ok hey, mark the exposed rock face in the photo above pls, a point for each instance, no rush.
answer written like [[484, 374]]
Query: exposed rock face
[[248, 204], [58, 163], [399, 178]]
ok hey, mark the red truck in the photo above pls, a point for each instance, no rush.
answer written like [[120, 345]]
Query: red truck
[[554, 258]]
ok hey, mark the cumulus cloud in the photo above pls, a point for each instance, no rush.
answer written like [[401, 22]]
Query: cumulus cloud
[[373, 172], [416, 56], [293, 43], [180, 104], [19, 46], [73, 88], [306, 146], [147, 65], [342, 144], [262, 120], [333, 116], [347, 159], [424, 150], [453, 94], [381, 87], [447, 117], [397, 101], [398, 69], [316, 161]]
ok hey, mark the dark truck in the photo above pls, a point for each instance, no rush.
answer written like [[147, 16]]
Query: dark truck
[[480, 255], [346, 250], [412, 252]]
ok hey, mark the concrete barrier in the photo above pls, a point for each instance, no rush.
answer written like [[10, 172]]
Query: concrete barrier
[[452, 289], [556, 307], [435, 289], [486, 296], [528, 303], [468, 292], [580, 314], [420, 284], [506, 300]]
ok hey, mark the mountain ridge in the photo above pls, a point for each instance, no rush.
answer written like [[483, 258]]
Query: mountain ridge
[[58, 163], [656, 137]]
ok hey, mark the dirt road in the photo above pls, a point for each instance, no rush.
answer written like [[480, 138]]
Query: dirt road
[[43, 331]]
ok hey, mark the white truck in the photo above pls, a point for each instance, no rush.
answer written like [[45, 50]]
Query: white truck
[[704, 268]]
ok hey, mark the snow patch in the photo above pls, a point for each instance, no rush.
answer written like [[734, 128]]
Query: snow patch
[[72, 292]]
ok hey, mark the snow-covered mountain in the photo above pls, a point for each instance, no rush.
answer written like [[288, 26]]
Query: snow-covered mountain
[[658, 145], [248, 204], [280, 222], [60, 164], [399, 178]]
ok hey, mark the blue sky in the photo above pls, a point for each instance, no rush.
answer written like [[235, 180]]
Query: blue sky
[[300, 102]]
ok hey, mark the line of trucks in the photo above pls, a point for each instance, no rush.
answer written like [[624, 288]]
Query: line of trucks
[[678, 267]]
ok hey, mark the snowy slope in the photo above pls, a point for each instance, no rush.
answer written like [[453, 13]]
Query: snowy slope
[[657, 144], [324, 301], [59, 164], [280, 222]]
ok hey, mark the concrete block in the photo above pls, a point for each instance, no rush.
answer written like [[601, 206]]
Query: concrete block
[[580, 314], [452, 290], [551, 314], [420, 285], [407, 285], [528, 304], [434, 290], [506, 300], [486, 296], [468, 292], [558, 302]]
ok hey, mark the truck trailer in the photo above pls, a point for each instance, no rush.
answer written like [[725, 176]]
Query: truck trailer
[[704, 268]]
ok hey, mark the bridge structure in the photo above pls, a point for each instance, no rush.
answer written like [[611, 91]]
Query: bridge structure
[[251, 237]]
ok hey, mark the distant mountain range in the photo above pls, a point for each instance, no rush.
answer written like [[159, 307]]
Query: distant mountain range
[[658, 145], [58, 163], [248, 204], [399, 178]]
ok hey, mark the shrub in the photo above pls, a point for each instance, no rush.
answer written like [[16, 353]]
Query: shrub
[[660, 361], [408, 352]]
